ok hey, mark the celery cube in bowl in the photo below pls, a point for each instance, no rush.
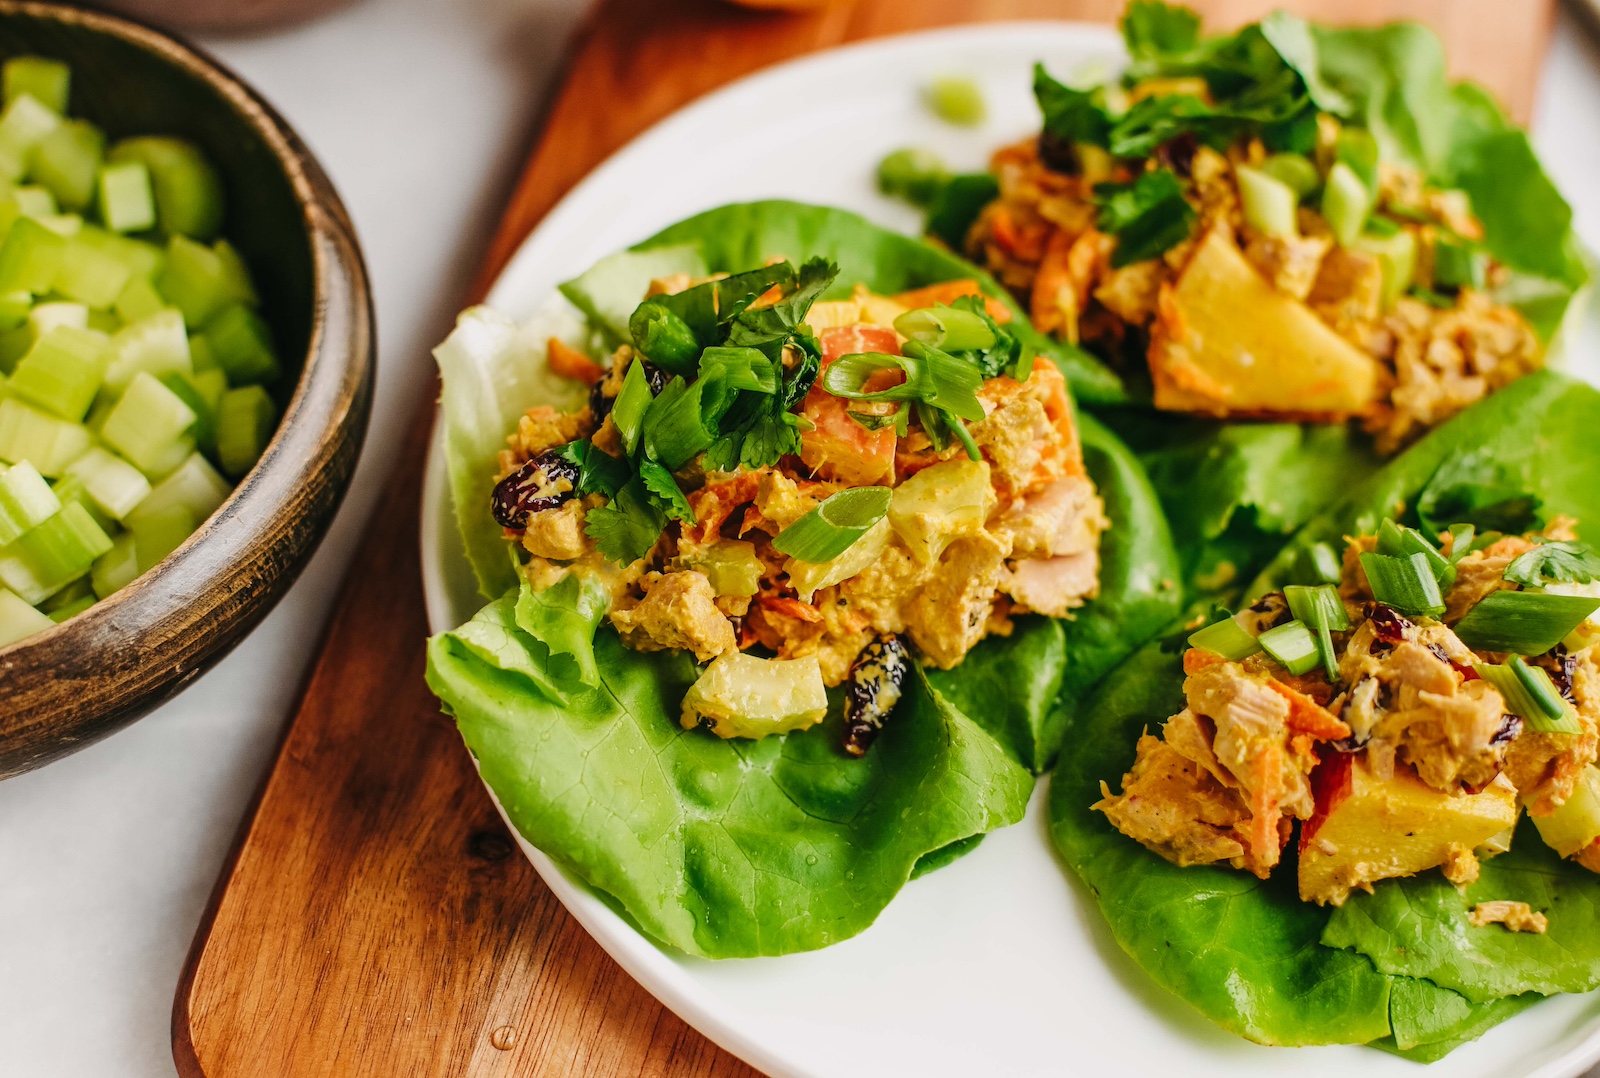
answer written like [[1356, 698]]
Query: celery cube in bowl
[[186, 333]]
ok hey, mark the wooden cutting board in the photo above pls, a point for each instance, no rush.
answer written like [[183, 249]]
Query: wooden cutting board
[[374, 917]]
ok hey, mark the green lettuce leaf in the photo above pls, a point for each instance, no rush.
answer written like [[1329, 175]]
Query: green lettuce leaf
[[720, 848], [610, 290], [563, 617], [1533, 439], [1418, 926], [1244, 951], [1009, 685], [1430, 1022], [734, 238], [493, 370]]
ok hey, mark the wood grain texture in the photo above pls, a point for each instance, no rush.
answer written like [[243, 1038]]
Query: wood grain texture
[[374, 917]]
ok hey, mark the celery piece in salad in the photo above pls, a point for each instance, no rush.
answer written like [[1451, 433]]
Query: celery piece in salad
[[1270, 205], [46, 442], [90, 274], [56, 314], [193, 486], [67, 161], [1296, 170], [1291, 644], [71, 610], [48, 82], [116, 486], [156, 345], [127, 201], [1226, 638], [1397, 255], [71, 491], [242, 346], [138, 300], [26, 501], [30, 257], [117, 567], [188, 192], [19, 619], [1345, 203], [52, 555], [245, 419], [159, 533], [150, 426], [958, 100], [23, 125], [236, 280], [1575, 824], [194, 280], [62, 371]]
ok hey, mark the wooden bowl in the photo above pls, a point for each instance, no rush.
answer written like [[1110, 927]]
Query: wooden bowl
[[71, 685]]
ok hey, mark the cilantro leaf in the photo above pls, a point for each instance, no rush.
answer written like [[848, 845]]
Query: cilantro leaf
[[768, 329], [626, 527], [668, 497], [598, 471], [1070, 115], [708, 308], [1008, 354], [1555, 563], [1147, 217]]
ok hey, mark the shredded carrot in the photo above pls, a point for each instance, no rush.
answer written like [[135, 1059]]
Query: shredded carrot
[[715, 502], [1266, 797], [1197, 659], [948, 291], [568, 362], [792, 608], [1307, 716]]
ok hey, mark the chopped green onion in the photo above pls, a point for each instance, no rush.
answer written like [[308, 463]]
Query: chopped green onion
[[1405, 583], [127, 201], [663, 337], [740, 368], [1524, 622], [1323, 612], [30, 257], [848, 375], [957, 100], [1461, 536], [912, 174], [1319, 564], [66, 162], [150, 426], [19, 619], [1292, 645], [1398, 541], [52, 555], [627, 413], [1530, 694], [188, 191], [62, 371], [834, 526], [26, 501], [1269, 204], [115, 485], [1345, 203], [47, 81], [1226, 638], [946, 328], [245, 418], [48, 443], [241, 343]]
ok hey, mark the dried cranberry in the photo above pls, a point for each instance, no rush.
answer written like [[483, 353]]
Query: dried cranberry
[[1059, 154], [1178, 153], [873, 690], [529, 489], [1467, 673], [1562, 670], [1388, 623], [1439, 653], [599, 401], [654, 377], [1510, 727]]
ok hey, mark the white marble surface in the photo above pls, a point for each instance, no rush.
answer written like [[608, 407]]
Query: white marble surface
[[419, 110]]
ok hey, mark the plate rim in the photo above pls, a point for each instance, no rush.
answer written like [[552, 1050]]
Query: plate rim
[[642, 958]]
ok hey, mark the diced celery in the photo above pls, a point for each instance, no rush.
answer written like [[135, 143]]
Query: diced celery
[[242, 345], [141, 257], [159, 533], [127, 203], [23, 125], [30, 257], [211, 384], [62, 371], [1576, 823], [117, 567], [72, 609], [35, 201], [26, 501], [116, 486], [194, 486], [14, 310], [235, 274], [53, 555], [202, 357], [195, 280], [188, 191], [67, 160], [156, 345], [47, 81], [106, 322], [139, 299], [70, 490], [205, 409], [48, 443], [244, 424], [65, 225], [18, 619], [1269, 204], [1345, 203], [150, 426], [14, 344], [47, 316], [90, 274], [1294, 169], [1397, 254]]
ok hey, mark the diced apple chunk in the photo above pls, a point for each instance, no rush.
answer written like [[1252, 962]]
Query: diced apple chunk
[[1226, 342], [1367, 828], [1575, 824], [741, 695]]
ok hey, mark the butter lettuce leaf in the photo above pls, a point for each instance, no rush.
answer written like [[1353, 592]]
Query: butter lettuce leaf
[[1244, 951], [1430, 1022]]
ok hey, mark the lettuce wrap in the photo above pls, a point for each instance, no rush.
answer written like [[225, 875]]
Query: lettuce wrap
[[737, 848], [1399, 968]]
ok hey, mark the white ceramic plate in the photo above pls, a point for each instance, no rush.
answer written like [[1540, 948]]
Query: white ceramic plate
[[999, 964]]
